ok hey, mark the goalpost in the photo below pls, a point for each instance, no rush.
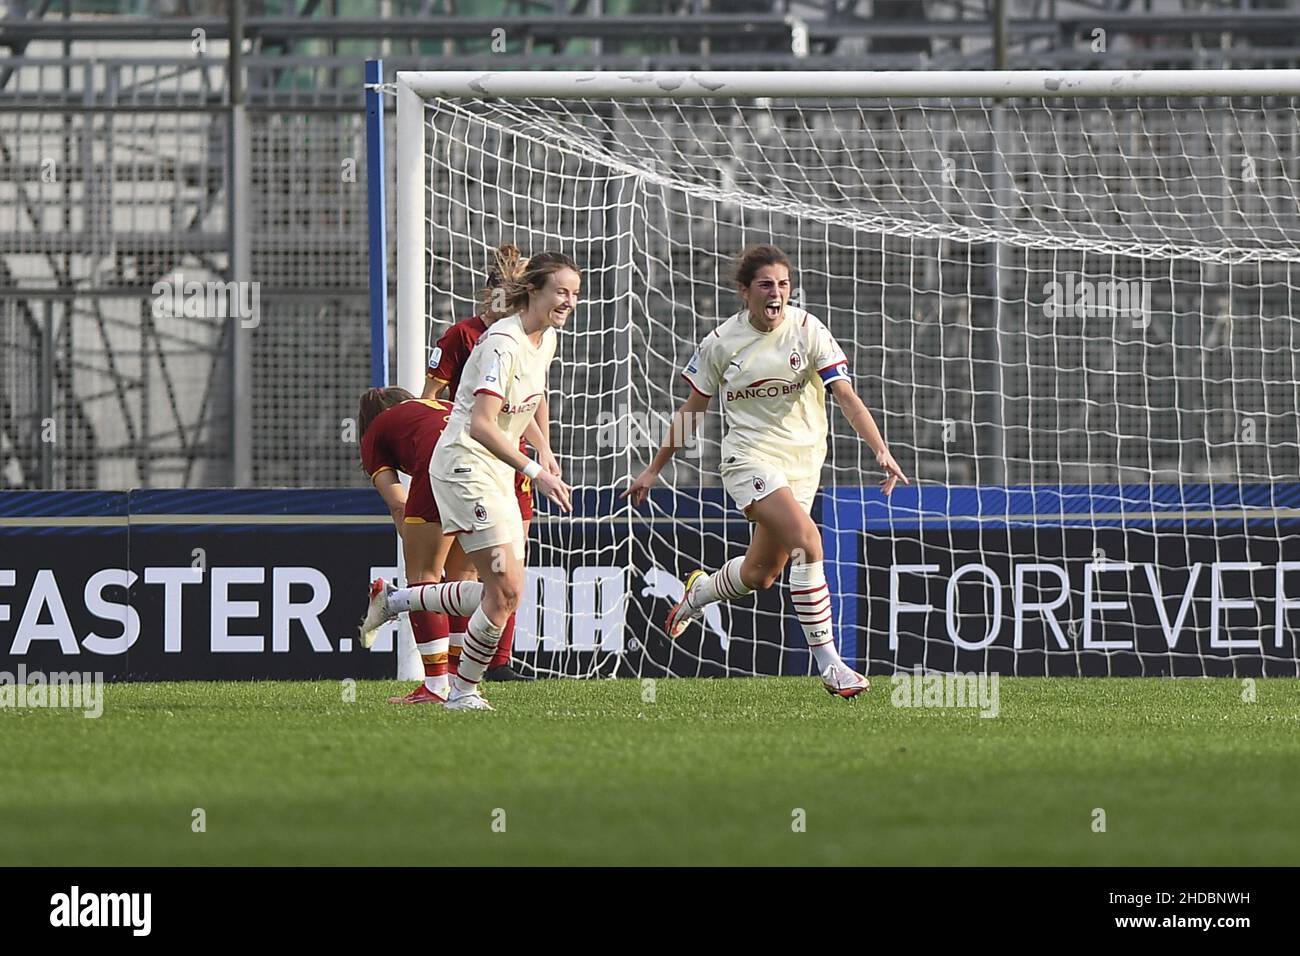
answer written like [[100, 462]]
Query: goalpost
[[1069, 299]]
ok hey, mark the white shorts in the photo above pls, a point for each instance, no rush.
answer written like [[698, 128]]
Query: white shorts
[[480, 510], [749, 479]]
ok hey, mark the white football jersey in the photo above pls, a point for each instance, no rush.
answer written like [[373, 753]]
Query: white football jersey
[[504, 363], [771, 386]]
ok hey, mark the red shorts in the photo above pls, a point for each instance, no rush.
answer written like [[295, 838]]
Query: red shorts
[[419, 500]]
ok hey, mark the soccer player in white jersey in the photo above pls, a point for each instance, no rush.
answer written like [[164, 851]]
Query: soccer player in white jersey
[[473, 468], [771, 366]]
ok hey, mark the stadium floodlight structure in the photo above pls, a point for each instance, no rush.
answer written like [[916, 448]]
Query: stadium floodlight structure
[[1069, 298]]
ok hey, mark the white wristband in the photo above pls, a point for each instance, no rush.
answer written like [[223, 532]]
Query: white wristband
[[531, 470]]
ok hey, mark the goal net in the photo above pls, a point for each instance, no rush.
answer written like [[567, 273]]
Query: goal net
[[1068, 299]]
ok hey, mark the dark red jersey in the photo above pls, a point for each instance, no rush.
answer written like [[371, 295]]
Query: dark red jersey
[[452, 352], [402, 438]]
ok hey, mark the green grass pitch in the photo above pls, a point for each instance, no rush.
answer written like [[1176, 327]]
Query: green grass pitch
[[710, 772]]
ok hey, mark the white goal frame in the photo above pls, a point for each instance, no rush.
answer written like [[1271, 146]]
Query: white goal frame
[[1002, 93]]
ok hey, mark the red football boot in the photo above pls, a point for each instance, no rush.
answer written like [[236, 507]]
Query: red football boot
[[421, 695]]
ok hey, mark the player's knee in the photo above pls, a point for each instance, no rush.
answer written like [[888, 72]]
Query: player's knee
[[508, 596], [806, 548], [760, 577]]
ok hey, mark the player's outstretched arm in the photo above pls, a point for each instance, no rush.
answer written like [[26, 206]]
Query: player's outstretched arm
[[680, 434], [484, 430], [859, 416]]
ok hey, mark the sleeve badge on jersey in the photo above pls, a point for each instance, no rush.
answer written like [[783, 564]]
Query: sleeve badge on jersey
[[694, 364], [493, 370], [436, 358]]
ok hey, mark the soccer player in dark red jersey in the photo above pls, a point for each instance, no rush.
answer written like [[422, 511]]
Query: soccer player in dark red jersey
[[446, 363], [399, 433]]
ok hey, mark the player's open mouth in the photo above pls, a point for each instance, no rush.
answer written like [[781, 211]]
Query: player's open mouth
[[773, 309]]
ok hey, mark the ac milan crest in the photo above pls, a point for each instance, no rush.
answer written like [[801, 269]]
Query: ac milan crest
[[796, 360], [759, 485], [480, 513]]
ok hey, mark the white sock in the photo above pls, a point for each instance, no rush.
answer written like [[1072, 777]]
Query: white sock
[[480, 645], [812, 604], [454, 597], [435, 685], [723, 585]]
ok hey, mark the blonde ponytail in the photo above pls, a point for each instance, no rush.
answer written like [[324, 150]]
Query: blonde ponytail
[[494, 302]]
